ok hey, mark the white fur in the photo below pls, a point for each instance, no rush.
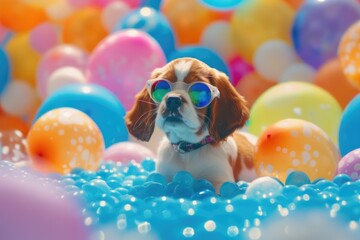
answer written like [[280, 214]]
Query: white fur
[[182, 69]]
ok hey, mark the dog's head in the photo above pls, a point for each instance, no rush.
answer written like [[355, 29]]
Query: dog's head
[[188, 100]]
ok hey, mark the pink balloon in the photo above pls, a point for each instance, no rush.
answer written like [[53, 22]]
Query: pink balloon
[[43, 37], [79, 3], [350, 164], [32, 208], [126, 151], [122, 63], [238, 69], [55, 58]]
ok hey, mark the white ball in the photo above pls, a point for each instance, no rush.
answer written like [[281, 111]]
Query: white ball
[[112, 14], [218, 38], [64, 76], [273, 57], [19, 98], [298, 72]]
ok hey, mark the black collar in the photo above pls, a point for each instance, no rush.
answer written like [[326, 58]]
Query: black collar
[[184, 147]]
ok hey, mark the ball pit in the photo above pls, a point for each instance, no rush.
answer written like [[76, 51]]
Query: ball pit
[[289, 58]]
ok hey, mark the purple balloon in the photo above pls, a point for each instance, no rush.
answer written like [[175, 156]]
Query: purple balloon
[[319, 26], [33, 209]]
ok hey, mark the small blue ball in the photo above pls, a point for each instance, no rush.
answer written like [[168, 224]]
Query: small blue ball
[[340, 179], [229, 190], [148, 165], [202, 185], [184, 178], [157, 177], [297, 178]]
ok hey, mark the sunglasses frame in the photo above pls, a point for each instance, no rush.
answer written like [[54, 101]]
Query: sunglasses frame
[[213, 90]]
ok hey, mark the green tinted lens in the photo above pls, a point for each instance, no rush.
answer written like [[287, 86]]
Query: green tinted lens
[[200, 95], [159, 89]]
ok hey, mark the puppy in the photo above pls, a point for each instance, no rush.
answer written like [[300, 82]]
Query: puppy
[[198, 110]]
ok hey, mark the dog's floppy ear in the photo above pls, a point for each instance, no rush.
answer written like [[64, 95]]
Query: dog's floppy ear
[[140, 120], [229, 112]]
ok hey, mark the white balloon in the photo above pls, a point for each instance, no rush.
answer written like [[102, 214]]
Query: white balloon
[[298, 72], [19, 98], [218, 38], [273, 57], [64, 76], [60, 10], [112, 14]]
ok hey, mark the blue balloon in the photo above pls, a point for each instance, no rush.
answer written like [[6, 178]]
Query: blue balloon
[[4, 70], [98, 103], [349, 130], [156, 4], [222, 4], [203, 54], [152, 22]]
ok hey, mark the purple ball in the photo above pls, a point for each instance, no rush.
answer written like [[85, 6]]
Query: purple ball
[[350, 164]]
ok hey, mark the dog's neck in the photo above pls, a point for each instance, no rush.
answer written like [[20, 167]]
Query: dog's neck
[[184, 147]]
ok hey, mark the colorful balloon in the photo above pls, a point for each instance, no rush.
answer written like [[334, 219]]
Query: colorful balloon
[[350, 165], [296, 100], [222, 5], [349, 54], [77, 27], [13, 146], [13, 104], [266, 20], [122, 63], [295, 145], [295, 3], [349, 130], [126, 152], [319, 26], [252, 85], [113, 13], [44, 37], [332, 78], [152, 22], [60, 11], [273, 57], [97, 102], [188, 14], [60, 56], [301, 72], [238, 69], [203, 54], [63, 139], [23, 58], [4, 70]]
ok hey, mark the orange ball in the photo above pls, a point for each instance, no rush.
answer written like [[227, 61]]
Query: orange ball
[[188, 19], [19, 16], [84, 28], [295, 145], [9, 123], [332, 78], [63, 139], [252, 85]]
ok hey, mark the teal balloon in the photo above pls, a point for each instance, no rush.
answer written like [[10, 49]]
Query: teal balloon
[[4, 70], [98, 103], [222, 5]]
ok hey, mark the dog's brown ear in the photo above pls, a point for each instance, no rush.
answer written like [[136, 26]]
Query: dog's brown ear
[[227, 113]]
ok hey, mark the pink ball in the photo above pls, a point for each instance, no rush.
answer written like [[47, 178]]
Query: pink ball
[[238, 69], [350, 164], [33, 208], [57, 57], [127, 151], [43, 37], [123, 62]]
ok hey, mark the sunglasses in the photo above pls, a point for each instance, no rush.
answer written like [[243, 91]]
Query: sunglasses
[[201, 93]]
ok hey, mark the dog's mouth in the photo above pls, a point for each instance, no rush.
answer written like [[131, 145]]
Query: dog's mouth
[[174, 119]]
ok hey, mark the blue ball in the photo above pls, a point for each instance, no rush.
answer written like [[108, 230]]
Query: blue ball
[[340, 179], [98, 103], [297, 178], [222, 5], [152, 22], [229, 190], [4, 70], [203, 54], [349, 130], [184, 178]]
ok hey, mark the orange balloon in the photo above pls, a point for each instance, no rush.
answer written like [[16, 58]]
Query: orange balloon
[[8, 123], [19, 16], [23, 58], [295, 3], [188, 19], [252, 85], [84, 28], [332, 78], [63, 139], [295, 145]]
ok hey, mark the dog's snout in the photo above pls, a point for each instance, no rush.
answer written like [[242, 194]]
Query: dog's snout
[[173, 102]]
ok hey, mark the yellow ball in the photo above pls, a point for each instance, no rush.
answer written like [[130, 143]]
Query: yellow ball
[[63, 139], [256, 21], [295, 145], [298, 100]]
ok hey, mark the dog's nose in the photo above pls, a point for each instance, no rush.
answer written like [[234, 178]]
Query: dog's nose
[[173, 103]]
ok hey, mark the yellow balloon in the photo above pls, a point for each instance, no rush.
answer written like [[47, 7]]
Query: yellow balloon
[[297, 100], [295, 145], [257, 21], [23, 58]]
